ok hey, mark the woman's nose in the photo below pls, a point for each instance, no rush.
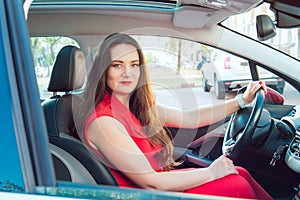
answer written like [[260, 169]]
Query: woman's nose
[[127, 70]]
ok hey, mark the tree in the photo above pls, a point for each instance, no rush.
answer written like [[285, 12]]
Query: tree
[[45, 49], [174, 47], [151, 59]]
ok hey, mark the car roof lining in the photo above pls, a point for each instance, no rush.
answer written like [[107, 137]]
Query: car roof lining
[[199, 14]]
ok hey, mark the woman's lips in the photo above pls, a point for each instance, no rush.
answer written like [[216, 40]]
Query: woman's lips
[[125, 82]]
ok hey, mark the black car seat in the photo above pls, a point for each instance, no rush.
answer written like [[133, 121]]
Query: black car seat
[[71, 157], [68, 75], [70, 169]]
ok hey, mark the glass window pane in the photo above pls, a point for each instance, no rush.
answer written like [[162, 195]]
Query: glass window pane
[[44, 50], [285, 40], [187, 74]]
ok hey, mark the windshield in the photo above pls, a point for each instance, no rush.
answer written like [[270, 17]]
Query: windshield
[[286, 39]]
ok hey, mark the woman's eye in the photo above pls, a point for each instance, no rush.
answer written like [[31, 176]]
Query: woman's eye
[[116, 65], [135, 65]]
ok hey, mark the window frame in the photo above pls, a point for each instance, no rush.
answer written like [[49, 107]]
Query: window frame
[[31, 138]]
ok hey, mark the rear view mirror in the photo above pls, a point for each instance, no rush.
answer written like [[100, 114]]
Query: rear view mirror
[[265, 27]]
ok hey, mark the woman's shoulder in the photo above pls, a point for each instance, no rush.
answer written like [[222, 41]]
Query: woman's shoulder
[[103, 109]]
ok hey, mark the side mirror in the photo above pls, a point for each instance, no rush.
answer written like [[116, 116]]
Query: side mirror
[[265, 27]]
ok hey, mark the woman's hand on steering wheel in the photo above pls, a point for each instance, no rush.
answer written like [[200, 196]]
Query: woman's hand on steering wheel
[[250, 92]]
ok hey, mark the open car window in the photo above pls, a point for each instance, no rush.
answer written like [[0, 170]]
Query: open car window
[[44, 50], [178, 69]]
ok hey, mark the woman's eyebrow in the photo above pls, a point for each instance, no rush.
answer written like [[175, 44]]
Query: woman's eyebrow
[[123, 61], [117, 61]]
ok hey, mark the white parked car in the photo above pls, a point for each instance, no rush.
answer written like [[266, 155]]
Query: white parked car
[[226, 72]]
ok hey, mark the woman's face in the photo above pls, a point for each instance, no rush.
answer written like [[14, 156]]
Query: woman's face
[[124, 71]]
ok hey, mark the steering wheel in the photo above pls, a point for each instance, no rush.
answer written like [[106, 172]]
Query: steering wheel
[[241, 127]]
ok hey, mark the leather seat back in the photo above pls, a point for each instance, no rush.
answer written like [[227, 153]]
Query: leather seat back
[[67, 77]]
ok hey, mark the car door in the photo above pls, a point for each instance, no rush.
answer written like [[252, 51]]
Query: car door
[[26, 167], [18, 79]]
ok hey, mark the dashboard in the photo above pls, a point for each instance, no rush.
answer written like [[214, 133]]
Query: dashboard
[[292, 157]]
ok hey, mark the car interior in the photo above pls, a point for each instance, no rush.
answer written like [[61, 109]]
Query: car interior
[[75, 162], [274, 121]]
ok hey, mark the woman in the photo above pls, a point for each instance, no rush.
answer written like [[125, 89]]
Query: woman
[[125, 128]]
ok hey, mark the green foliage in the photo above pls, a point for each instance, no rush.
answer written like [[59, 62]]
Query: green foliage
[[151, 58], [45, 49]]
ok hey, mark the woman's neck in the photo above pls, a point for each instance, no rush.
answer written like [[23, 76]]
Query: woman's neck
[[123, 99]]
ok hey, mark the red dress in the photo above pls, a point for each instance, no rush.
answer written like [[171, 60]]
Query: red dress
[[241, 185]]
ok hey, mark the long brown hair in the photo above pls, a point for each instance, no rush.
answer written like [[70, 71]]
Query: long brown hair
[[141, 103]]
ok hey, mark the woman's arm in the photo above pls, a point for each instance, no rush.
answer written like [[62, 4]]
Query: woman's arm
[[114, 142], [208, 114], [196, 117]]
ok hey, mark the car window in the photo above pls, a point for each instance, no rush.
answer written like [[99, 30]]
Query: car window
[[286, 39], [186, 74], [183, 73], [290, 94], [44, 50], [173, 68]]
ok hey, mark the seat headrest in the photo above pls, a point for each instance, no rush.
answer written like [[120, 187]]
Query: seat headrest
[[69, 70]]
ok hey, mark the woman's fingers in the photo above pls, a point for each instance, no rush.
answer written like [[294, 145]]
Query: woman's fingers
[[228, 165], [251, 90], [263, 86]]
